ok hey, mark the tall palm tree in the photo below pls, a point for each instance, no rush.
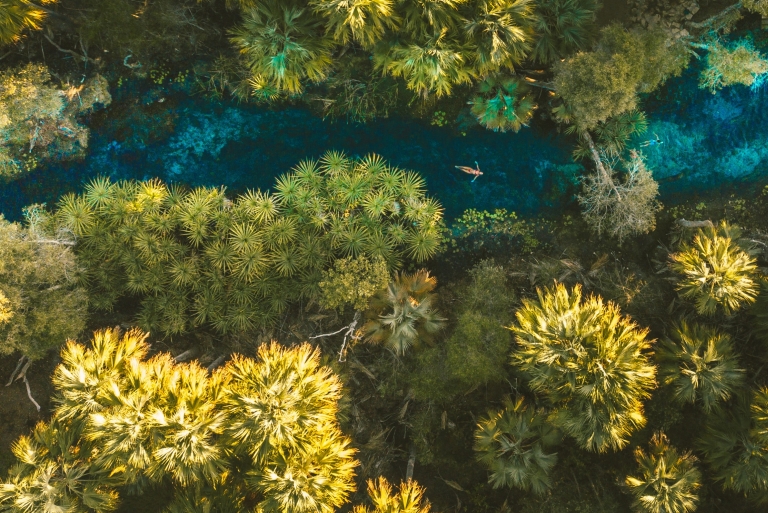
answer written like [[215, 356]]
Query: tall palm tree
[[17, 15], [409, 498], [715, 272], [431, 64], [589, 361], [283, 44], [364, 21], [502, 104], [562, 27], [699, 363], [513, 443], [668, 480], [401, 315], [426, 17], [500, 33]]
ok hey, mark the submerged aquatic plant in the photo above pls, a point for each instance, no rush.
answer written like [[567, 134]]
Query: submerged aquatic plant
[[503, 104]]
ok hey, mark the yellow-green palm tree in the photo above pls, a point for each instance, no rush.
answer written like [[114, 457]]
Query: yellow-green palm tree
[[700, 364], [17, 15], [402, 315], [363, 21], [715, 272], [283, 45], [499, 33], [668, 480], [502, 104], [409, 498], [514, 444], [589, 361]]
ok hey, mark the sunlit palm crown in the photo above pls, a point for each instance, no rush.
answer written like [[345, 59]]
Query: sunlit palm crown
[[364, 21], [402, 315], [589, 361], [667, 480], [283, 44], [17, 15], [408, 499], [197, 257], [715, 271], [122, 418], [699, 363], [513, 443]]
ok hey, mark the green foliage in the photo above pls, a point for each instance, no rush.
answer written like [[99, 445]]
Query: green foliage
[[408, 499], [503, 104], [758, 6], [612, 135], [563, 27], [124, 420], [34, 115], [401, 315], [738, 64], [513, 442], [352, 281], [699, 363], [715, 272], [735, 444], [668, 480], [41, 303], [198, 258], [589, 362], [604, 83], [17, 15], [283, 44], [499, 33], [363, 21], [480, 233]]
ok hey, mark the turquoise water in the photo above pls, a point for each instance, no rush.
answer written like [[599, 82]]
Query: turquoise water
[[709, 140]]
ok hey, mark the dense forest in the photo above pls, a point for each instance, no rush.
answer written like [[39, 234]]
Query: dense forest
[[336, 342]]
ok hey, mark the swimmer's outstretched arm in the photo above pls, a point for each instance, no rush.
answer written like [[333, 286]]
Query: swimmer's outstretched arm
[[477, 166]]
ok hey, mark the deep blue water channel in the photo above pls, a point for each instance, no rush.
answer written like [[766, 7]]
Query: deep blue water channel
[[709, 140]]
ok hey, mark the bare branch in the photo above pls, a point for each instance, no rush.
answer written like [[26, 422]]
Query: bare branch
[[695, 224], [82, 57]]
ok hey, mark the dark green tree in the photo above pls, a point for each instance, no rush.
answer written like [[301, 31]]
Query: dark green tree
[[562, 28]]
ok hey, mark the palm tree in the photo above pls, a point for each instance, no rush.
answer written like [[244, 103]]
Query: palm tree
[[17, 15], [500, 34], [668, 480], [434, 63], [715, 271], [562, 28], [283, 44], [699, 363], [502, 104], [589, 361], [364, 21], [401, 315], [409, 498], [513, 444], [427, 17]]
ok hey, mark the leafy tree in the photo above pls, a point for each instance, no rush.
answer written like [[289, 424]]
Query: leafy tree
[[589, 362], [714, 271], [620, 207], [38, 121], [699, 363], [562, 28], [612, 135], [668, 480], [17, 15], [124, 420], [408, 499], [603, 83], [283, 44], [503, 104], [401, 315], [499, 33], [41, 302], [352, 282], [738, 64], [758, 6], [433, 63], [427, 17], [513, 444], [735, 444], [198, 258], [364, 21]]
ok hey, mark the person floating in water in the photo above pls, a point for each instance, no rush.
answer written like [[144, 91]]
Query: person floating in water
[[472, 171], [652, 142]]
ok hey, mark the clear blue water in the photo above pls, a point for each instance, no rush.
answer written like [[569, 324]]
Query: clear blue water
[[709, 140]]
